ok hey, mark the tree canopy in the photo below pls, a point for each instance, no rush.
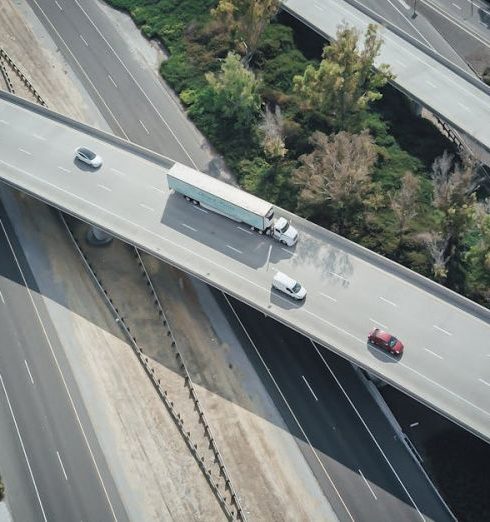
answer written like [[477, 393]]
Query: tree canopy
[[346, 81]]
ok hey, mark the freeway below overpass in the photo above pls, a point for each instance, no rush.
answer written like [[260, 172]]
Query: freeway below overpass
[[350, 289], [421, 73]]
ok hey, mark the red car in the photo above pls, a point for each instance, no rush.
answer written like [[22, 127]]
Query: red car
[[386, 341]]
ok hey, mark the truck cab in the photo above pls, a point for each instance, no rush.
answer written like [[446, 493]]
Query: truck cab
[[284, 232]]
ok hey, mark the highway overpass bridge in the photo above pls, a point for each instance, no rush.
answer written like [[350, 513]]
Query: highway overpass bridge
[[446, 364], [425, 76]]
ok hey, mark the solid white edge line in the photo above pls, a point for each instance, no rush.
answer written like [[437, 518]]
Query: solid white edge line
[[29, 371], [289, 407], [373, 438], [368, 485], [48, 340], [309, 387], [61, 464], [23, 449]]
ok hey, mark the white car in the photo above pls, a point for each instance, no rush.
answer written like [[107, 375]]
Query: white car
[[288, 286], [88, 157]]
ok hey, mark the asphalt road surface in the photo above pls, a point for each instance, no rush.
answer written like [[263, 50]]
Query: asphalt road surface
[[365, 469], [51, 462], [350, 289]]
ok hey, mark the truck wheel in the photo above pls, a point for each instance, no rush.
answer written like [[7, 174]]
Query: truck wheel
[[195, 202], [187, 198]]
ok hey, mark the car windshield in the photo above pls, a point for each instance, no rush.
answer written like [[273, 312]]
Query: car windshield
[[285, 227], [296, 288], [392, 342], [88, 153]]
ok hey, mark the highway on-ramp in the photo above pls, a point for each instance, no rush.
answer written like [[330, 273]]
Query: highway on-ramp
[[51, 462], [350, 289]]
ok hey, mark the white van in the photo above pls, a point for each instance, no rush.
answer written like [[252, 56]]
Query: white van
[[288, 286]]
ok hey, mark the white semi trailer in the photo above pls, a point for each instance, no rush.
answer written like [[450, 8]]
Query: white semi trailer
[[229, 201]]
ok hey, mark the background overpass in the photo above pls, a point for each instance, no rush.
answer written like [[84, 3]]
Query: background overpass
[[350, 288], [448, 91]]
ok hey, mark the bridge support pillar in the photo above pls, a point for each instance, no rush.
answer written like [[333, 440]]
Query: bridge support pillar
[[416, 108], [96, 236]]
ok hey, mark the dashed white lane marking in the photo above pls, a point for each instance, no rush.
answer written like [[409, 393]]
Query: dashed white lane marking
[[367, 484], [189, 227], [246, 231], [433, 85], [310, 388], [143, 125], [63, 169], [25, 151], [117, 172], [104, 187], [328, 297], [388, 301], [404, 4], [319, 6], [59, 6], [269, 256], [4, 122], [377, 322], [414, 424], [433, 353], [157, 189], [142, 205], [399, 62], [62, 467], [457, 6], [23, 450], [234, 249], [337, 275], [29, 371], [83, 40], [112, 81], [464, 106], [441, 329], [38, 137], [292, 254], [1, 297], [197, 207], [484, 382]]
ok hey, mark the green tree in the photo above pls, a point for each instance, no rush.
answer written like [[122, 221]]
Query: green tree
[[346, 81], [271, 133], [454, 186], [336, 175], [478, 255], [404, 203], [230, 102], [246, 19]]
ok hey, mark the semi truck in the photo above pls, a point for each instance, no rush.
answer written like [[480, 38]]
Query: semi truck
[[231, 202]]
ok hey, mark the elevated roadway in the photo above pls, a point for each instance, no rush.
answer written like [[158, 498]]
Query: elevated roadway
[[350, 289], [426, 77]]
